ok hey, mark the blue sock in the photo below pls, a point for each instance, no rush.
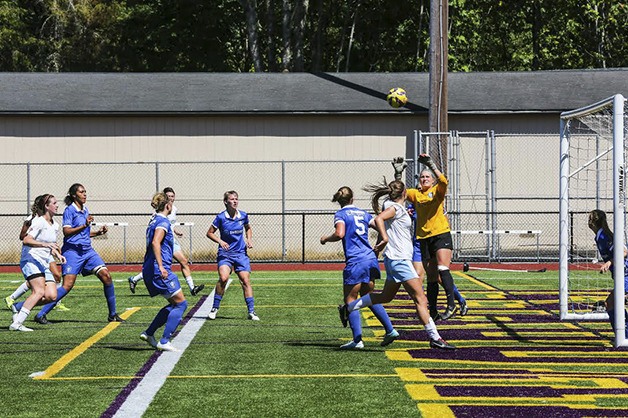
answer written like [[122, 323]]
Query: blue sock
[[159, 320], [217, 300], [355, 322], [458, 296], [250, 304], [110, 295], [381, 314], [18, 305], [45, 310], [174, 318]]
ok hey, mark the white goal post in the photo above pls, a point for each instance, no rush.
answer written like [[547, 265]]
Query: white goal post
[[592, 154]]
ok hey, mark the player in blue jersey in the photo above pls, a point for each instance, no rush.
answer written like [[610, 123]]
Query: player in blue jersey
[[79, 253], [158, 276], [604, 242], [38, 251], [234, 240], [362, 268], [178, 252]]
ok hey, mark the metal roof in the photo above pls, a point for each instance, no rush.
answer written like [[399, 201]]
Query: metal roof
[[300, 93]]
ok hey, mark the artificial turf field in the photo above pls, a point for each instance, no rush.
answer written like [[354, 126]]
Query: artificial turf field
[[514, 357]]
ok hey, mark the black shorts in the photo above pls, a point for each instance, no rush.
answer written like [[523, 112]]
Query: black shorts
[[430, 245]]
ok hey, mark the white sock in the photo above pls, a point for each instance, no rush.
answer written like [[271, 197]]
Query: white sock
[[21, 316], [23, 288], [137, 277], [430, 327], [363, 302], [190, 282]]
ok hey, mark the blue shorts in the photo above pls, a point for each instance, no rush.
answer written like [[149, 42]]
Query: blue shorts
[[361, 271], [399, 271], [238, 262], [157, 285], [416, 255], [81, 260]]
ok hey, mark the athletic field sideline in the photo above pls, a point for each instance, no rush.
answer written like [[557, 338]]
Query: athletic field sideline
[[514, 357]]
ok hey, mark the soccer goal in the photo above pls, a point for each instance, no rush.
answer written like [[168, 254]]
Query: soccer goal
[[592, 154]]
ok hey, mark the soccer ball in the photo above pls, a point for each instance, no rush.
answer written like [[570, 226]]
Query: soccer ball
[[397, 97]]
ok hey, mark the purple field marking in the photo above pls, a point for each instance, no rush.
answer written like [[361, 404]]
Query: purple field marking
[[498, 391], [486, 411], [126, 391]]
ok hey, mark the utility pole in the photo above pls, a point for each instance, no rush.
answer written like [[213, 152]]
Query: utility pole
[[439, 55]]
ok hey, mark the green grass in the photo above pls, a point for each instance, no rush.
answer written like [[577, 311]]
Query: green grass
[[287, 364]]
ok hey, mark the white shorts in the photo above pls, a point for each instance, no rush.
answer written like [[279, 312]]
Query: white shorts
[[32, 268], [176, 246], [399, 271]]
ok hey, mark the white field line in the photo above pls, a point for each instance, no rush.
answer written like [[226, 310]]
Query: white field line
[[138, 401]]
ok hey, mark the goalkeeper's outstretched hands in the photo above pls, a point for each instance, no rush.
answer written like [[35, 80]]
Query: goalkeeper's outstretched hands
[[426, 160], [399, 164]]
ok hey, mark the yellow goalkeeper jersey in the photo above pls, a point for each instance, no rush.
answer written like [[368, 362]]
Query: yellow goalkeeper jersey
[[430, 214]]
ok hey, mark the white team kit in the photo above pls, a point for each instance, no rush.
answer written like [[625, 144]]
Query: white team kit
[[399, 230], [36, 260]]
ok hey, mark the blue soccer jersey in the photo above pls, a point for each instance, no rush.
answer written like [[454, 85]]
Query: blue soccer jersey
[[150, 264], [356, 240], [74, 217], [232, 231], [605, 247]]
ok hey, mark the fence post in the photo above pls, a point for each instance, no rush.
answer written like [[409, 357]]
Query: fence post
[[302, 237], [283, 210], [28, 187], [157, 176]]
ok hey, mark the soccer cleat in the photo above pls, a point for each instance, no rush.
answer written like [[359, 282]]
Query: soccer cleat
[[390, 337], [442, 344], [197, 289], [449, 313], [20, 327], [115, 318], [9, 301], [253, 316], [435, 316], [132, 284], [463, 308], [352, 345], [343, 313], [42, 320], [150, 339], [212, 314], [166, 347], [61, 307]]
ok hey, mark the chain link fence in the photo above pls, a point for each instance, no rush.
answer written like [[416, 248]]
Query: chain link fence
[[289, 203]]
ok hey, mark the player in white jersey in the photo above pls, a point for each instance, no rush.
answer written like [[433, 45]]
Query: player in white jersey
[[178, 252], [38, 250], [395, 228], [54, 268]]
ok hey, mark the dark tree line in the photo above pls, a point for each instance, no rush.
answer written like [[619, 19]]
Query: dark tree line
[[307, 35]]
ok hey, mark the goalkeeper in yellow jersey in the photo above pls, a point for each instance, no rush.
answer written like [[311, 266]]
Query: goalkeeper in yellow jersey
[[433, 233]]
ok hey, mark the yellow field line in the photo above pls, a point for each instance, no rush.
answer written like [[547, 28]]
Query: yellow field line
[[472, 280], [58, 365]]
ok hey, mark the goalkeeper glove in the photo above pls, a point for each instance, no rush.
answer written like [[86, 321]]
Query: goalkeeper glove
[[399, 164]]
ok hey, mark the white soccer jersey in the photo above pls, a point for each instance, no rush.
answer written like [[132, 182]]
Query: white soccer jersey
[[399, 230], [173, 215], [42, 231]]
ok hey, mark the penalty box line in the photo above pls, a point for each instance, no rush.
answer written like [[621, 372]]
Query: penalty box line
[[60, 364]]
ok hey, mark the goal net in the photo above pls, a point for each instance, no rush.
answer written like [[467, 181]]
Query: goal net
[[591, 177]]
